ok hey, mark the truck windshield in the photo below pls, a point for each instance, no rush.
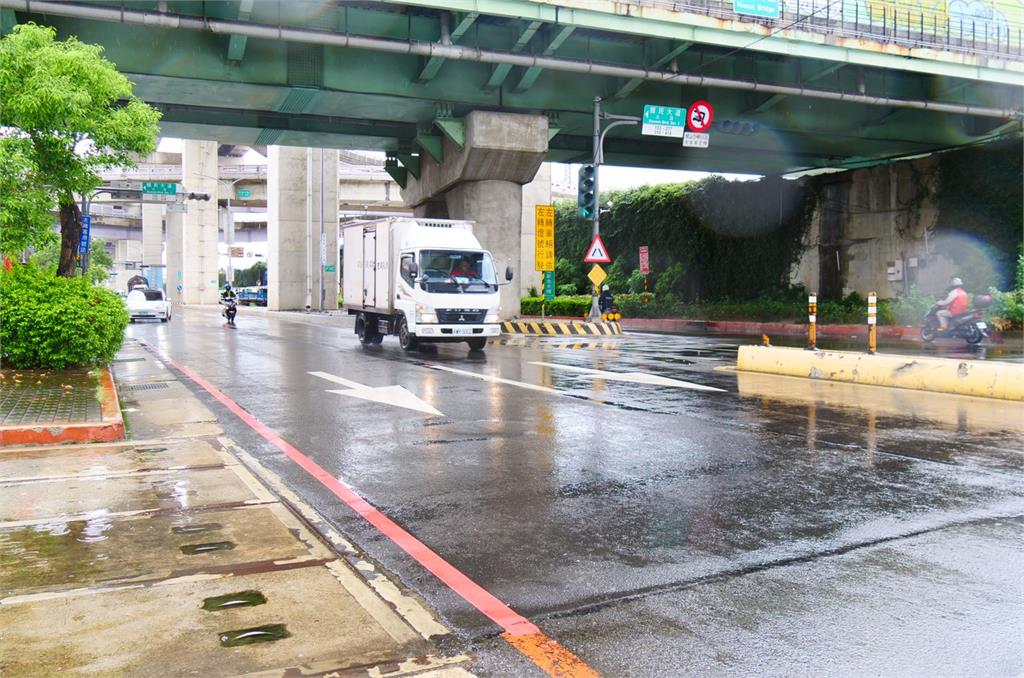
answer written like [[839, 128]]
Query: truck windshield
[[452, 271]]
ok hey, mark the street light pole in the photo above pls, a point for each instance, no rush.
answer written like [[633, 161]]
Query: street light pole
[[229, 231]]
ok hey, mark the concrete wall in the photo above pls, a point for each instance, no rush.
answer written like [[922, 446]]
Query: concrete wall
[[202, 221], [886, 218]]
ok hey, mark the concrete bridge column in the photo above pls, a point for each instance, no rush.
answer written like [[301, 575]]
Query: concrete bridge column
[[175, 271], [152, 243], [287, 217], [482, 180], [200, 231]]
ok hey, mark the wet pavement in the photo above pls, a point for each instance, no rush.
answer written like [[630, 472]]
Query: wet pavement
[[49, 396], [654, 513]]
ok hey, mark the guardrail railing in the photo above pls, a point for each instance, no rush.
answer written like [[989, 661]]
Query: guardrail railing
[[994, 28]]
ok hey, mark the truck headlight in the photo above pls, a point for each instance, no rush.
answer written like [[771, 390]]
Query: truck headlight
[[493, 316], [424, 314]]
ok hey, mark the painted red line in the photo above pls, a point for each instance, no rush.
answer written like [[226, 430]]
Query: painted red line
[[497, 611]]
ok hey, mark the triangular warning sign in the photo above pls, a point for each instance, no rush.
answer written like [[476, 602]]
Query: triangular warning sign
[[598, 253]]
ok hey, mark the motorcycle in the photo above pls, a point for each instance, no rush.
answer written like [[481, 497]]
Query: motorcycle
[[230, 310], [969, 326]]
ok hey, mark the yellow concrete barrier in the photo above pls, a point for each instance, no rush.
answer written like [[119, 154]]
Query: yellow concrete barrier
[[983, 378]]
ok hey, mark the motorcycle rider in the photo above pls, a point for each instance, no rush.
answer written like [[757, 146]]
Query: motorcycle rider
[[227, 295], [954, 304], [605, 301]]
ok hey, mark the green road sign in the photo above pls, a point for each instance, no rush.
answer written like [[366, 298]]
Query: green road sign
[[664, 121], [329, 268], [244, 193], [768, 9], [159, 187], [549, 284]]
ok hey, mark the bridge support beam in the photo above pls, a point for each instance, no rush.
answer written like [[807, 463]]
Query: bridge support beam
[[290, 202], [483, 181], [152, 244], [200, 231]]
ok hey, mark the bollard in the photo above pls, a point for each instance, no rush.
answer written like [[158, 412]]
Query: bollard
[[872, 322], [812, 321], [765, 341]]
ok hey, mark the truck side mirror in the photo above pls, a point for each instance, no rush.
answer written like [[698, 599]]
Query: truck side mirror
[[414, 270], [508, 274]]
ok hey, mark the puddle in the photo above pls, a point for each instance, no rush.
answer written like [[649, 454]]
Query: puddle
[[195, 529], [233, 600], [197, 549], [257, 634]]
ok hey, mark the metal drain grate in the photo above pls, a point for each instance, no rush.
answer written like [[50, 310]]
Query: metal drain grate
[[156, 385], [127, 360]]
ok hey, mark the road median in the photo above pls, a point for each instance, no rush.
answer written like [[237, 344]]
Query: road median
[[986, 379]]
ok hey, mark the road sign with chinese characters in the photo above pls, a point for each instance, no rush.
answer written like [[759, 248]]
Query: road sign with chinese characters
[[645, 260], [549, 284], [83, 241], [664, 121], [544, 251], [159, 187]]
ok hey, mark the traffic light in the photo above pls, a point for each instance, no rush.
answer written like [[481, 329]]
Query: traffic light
[[198, 196], [587, 202]]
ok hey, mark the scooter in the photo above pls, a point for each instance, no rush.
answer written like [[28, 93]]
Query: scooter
[[230, 310], [969, 326]]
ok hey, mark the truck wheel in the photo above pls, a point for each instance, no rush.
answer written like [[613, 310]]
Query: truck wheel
[[406, 339], [477, 344], [364, 330]]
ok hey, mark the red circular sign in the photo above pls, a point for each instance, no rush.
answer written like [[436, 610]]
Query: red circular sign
[[699, 116]]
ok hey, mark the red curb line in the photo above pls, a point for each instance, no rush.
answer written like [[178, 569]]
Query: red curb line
[[72, 432]]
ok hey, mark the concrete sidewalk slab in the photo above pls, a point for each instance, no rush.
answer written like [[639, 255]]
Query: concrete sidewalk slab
[[151, 491], [103, 459], [163, 630]]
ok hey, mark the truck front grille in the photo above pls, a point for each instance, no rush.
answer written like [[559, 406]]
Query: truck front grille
[[456, 316]]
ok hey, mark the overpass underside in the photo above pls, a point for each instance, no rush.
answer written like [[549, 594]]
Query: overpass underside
[[844, 83]]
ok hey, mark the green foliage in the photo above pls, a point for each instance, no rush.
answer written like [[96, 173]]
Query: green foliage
[[568, 273], [670, 281], [533, 291], [100, 263], [635, 282], [732, 240], [567, 290], [1007, 309], [252, 276], [25, 205], [912, 308], [55, 322], [73, 114], [1018, 278]]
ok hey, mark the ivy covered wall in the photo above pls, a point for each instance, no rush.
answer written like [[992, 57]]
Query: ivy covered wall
[[731, 240]]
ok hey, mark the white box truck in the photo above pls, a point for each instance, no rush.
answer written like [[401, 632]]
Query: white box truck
[[424, 280]]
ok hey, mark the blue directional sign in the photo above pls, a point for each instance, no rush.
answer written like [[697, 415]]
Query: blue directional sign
[[83, 242], [767, 9]]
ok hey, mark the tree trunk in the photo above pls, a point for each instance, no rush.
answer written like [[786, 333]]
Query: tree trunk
[[70, 234]]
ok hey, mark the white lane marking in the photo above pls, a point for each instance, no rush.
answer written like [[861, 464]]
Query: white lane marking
[[388, 395], [496, 380], [634, 377]]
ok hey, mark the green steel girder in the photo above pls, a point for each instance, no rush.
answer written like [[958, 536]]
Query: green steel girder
[[432, 145], [501, 71], [453, 129], [770, 101], [410, 162], [665, 59], [369, 100], [236, 43], [561, 34], [462, 24]]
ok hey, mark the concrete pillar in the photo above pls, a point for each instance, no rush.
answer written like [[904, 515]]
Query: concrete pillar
[[482, 180], [288, 250], [496, 207], [174, 280], [200, 232], [153, 244], [537, 192]]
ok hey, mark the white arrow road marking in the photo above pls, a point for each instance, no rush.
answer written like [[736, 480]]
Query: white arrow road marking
[[389, 395], [635, 377], [494, 380]]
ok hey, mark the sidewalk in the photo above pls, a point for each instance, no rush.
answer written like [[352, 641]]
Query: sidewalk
[[176, 553]]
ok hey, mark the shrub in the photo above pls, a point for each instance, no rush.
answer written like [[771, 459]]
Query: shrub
[[911, 309], [670, 281], [567, 290], [1007, 309], [54, 322], [571, 307]]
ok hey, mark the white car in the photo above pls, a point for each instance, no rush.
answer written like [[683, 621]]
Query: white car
[[148, 303]]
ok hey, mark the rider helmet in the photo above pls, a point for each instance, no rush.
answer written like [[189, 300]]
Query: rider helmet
[[605, 288], [227, 287], [956, 282]]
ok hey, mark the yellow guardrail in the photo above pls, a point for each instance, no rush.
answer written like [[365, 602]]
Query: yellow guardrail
[[983, 378], [560, 328]]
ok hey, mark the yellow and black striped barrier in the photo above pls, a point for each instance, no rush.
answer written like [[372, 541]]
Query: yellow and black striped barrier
[[560, 328]]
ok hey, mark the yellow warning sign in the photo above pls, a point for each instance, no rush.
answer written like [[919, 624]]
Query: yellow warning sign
[[544, 250], [597, 275]]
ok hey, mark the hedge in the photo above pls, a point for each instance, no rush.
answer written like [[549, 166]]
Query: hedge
[[52, 322]]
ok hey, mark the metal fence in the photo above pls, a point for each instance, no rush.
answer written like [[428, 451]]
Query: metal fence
[[992, 30]]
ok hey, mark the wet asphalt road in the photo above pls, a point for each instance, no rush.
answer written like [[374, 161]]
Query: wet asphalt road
[[774, 527]]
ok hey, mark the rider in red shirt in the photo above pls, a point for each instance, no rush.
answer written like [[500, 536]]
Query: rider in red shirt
[[955, 303]]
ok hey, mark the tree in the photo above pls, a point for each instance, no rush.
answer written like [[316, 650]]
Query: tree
[[25, 205], [66, 113], [100, 263]]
